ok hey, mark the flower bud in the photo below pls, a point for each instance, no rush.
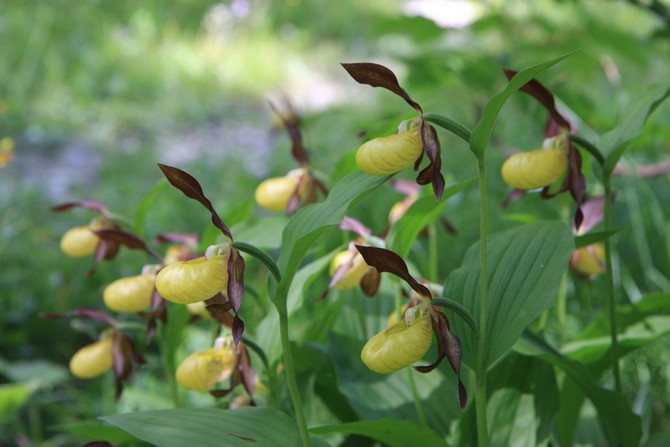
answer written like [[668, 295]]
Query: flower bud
[[195, 280], [354, 275], [131, 294], [398, 346], [390, 154], [201, 370], [79, 242], [589, 260], [92, 360]]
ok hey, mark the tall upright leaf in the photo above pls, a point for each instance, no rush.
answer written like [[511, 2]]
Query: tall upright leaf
[[525, 266], [310, 222], [482, 132]]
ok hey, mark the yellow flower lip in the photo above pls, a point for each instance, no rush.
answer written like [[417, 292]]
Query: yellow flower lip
[[390, 154], [79, 242], [131, 294], [534, 169], [195, 280], [275, 193], [201, 370], [353, 277], [92, 360], [589, 260], [399, 346]]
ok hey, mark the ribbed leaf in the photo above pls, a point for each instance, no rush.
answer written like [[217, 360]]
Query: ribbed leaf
[[390, 432], [525, 266], [210, 427]]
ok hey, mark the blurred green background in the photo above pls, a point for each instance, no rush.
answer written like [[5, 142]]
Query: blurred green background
[[94, 93]]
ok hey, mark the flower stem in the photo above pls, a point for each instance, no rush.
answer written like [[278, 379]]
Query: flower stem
[[289, 368], [432, 252], [420, 413], [481, 367], [609, 280]]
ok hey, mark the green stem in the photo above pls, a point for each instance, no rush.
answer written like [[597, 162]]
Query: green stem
[[289, 368], [609, 280], [480, 409], [432, 253], [481, 367], [420, 412], [562, 305]]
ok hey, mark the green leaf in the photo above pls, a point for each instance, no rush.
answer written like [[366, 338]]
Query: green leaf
[[525, 266], [631, 124], [210, 427], [310, 222], [621, 426], [12, 398], [533, 377], [145, 206], [447, 123], [261, 256], [595, 352], [482, 131], [513, 416], [267, 330], [263, 233], [376, 396], [96, 430], [37, 373], [390, 432], [422, 212], [592, 238], [653, 304]]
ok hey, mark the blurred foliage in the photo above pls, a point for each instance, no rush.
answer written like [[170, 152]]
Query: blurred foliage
[[94, 93]]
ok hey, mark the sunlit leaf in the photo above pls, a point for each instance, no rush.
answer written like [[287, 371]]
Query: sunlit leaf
[[621, 426], [12, 398], [631, 123]]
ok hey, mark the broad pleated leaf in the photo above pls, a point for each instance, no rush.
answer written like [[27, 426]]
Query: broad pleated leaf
[[210, 427], [525, 266], [390, 432]]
